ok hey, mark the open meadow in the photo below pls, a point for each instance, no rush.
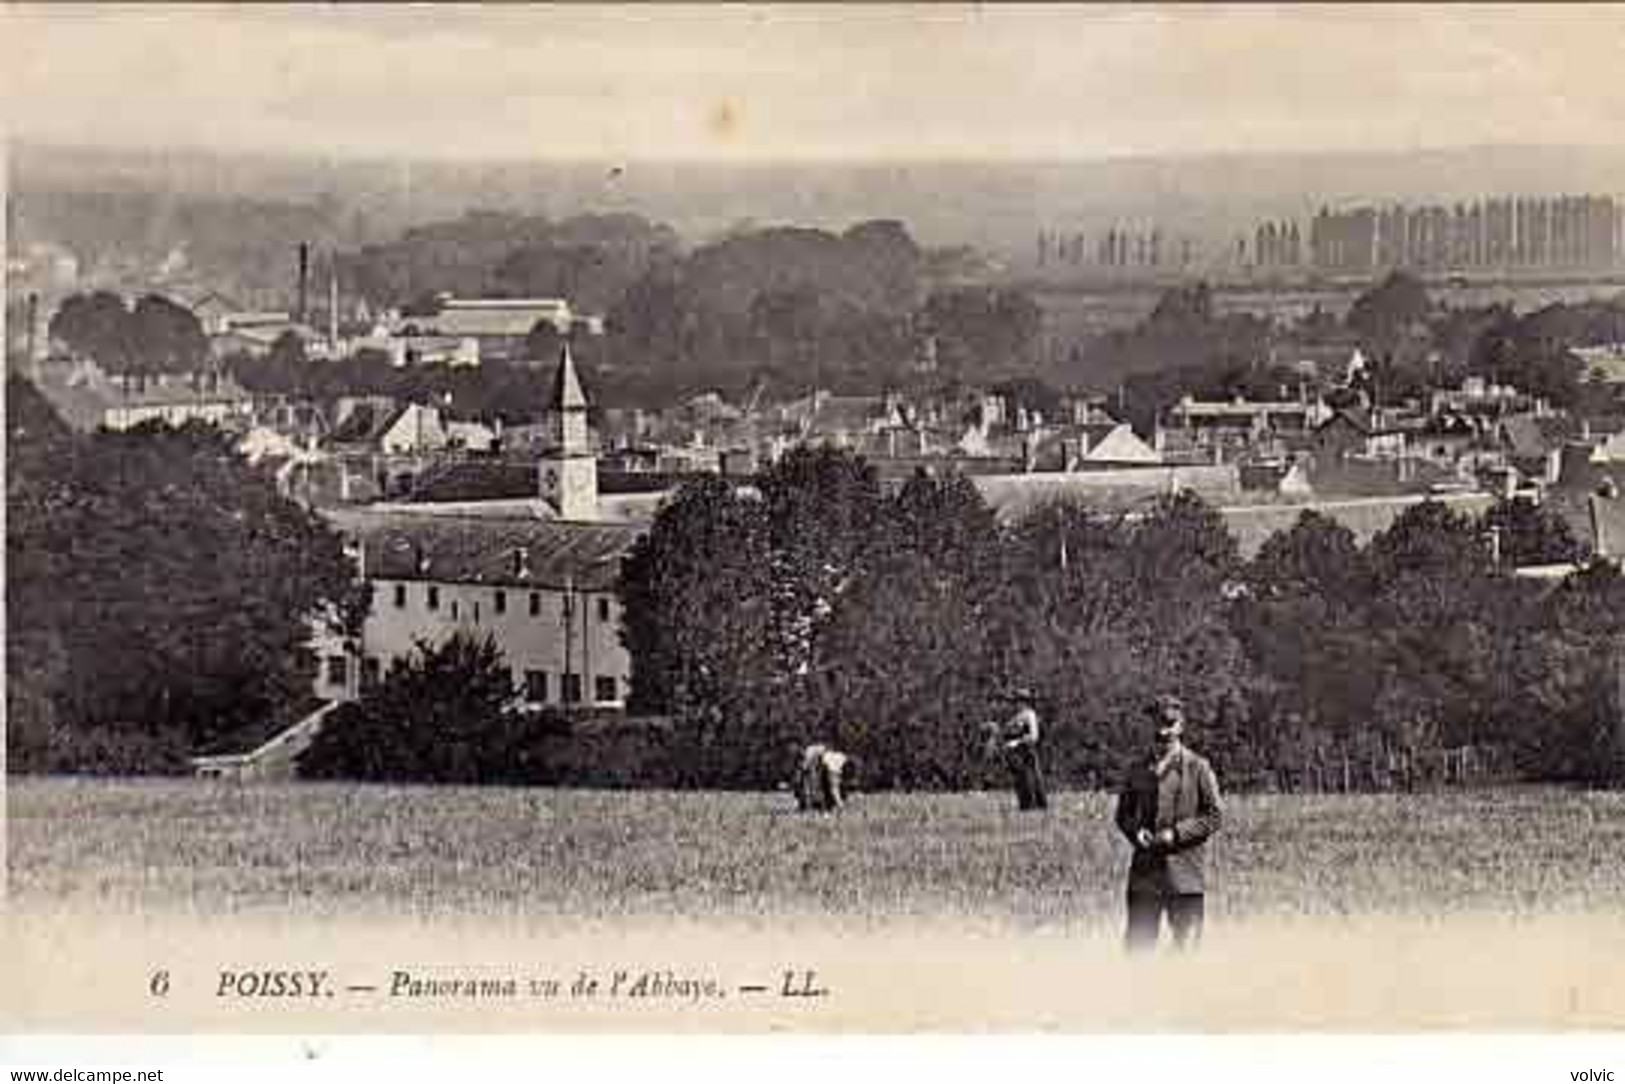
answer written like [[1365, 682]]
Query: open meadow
[[1483, 909], [319, 848]]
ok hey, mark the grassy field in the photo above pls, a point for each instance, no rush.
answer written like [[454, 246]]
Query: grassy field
[[318, 848], [1486, 910]]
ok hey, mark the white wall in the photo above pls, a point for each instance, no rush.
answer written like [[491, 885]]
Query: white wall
[[528, 642]]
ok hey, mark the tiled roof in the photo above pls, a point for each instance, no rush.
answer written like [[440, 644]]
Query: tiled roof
[[367, 423], [509, 552], [476, 480], [1253, 524], [1529, 435], [1015, 496], [1596, 520], [509, 318], [1357, 421]]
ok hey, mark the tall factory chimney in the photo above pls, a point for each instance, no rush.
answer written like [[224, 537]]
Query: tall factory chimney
[[333, 309], [33, 338], [302, 311]]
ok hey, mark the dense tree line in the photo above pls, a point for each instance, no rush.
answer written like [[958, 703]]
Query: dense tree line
[[1411, 343], [159, 591], [790, 307], [822, 608], [154, 336], [590, 259], [786, 308]]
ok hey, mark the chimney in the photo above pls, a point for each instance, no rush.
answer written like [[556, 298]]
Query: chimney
[[357, 552], [300, 310], [33, 336], [333, 310], [521, 562]]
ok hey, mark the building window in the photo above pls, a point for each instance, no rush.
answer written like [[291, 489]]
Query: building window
[[499, 601], [338, 670], [603, 610], [570, 688], [371, 669], [535, 604], [536, 686], [432, 597], [400, 596], [603, 690], [454, 609]]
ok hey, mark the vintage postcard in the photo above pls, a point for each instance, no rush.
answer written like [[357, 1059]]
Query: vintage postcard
[[814, 519]]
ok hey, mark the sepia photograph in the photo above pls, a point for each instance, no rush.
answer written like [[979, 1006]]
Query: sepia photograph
[[814, 519]]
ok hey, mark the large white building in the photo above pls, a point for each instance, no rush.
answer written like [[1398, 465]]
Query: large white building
[[543, 591], [539, 578]]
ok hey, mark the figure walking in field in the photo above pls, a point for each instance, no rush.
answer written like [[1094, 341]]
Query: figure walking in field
[[1018, 745], [1168, 808], [818, 782]]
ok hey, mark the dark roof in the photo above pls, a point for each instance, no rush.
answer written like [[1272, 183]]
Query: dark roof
[[500, 552], [1595, 520], [357, 426], [476, 480], [1348, 417], [1528, 435], [367, 423]]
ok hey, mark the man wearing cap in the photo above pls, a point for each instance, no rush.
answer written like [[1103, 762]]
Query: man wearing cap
[[1167, 809], [1019, 745]]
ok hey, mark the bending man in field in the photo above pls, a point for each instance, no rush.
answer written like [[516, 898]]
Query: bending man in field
[[1168, 808], [818, 778]]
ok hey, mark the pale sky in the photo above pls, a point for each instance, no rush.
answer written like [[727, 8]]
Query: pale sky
[[747, 83]]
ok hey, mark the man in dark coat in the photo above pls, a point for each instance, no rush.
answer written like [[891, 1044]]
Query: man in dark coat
[[1167, 809], [1018, 745]]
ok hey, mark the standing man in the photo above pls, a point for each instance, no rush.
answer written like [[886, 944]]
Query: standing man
[[1019, 738], [1167, 809]]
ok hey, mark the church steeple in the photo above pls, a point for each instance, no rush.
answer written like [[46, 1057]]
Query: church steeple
[[567, 407], [568, 471]]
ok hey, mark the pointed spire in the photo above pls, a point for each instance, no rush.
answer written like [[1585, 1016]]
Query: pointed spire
[[567, 394]]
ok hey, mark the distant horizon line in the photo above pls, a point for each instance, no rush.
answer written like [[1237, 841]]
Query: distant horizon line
[[21, 144]]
